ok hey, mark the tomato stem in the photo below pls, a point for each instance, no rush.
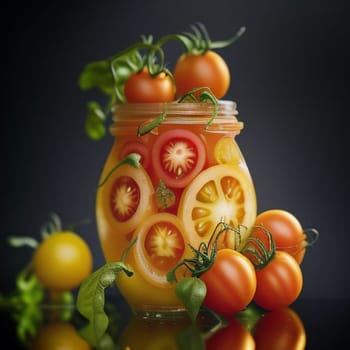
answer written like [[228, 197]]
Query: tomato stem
[[125, 254], [257, 252], [312, 236], [145, 129], [132, 159], [204, 255], [230, 41]]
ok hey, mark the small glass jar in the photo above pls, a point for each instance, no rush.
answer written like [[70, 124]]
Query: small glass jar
[[192, 176]]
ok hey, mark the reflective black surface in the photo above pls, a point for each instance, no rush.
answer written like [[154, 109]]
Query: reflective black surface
[[323, 323]]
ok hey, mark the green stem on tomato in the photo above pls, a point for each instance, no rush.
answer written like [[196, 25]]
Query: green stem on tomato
[[311, 236], [204, 255], [132, 159], [255, 247], [230, 41], [145, 129]]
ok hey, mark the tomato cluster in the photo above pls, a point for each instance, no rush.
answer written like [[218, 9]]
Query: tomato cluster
[[191, 71], [271, 276]]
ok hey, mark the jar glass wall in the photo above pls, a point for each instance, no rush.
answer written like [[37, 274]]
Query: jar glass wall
[[192, 175]]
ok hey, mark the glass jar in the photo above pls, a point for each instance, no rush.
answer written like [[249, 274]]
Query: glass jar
[[192, 176]]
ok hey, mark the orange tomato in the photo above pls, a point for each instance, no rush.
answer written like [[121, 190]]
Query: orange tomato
[[279, 283], [205, 70], [142, 87], [286, 231], [230, 282]]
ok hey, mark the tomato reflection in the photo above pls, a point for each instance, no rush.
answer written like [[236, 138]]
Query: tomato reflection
[[281, 330], [58, 335], [234, 336]]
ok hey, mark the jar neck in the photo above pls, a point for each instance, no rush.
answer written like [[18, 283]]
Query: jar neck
[[129, 116]]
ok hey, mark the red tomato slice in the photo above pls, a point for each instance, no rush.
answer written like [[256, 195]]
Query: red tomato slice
[[161, 244], [136, 147], [127, 198], [178, 156]]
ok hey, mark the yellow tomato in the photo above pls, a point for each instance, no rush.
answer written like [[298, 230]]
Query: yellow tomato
[[62, 261]]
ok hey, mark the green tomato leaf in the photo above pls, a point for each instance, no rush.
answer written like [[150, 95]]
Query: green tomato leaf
[[95, 121], [97, 74], [91, 300], [191, 291]]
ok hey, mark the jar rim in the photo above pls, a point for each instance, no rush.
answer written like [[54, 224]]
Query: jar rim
[[126, 116], [225, 107]]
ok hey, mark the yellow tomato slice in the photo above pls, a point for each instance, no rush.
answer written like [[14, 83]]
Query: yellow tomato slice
[[161, 244], [221, 193], [226, 151]]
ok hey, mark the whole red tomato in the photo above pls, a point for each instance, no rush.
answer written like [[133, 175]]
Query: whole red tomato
[[286, 231], [142, 87], [202, 70], [230, 282], [279, 283]]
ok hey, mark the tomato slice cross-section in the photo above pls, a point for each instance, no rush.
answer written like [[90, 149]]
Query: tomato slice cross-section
[[136, 147], [128, 196], [161, 244], [178, 155], [221, 193]]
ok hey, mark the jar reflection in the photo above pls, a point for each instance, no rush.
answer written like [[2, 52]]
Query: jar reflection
[[152, 334], [276, 330]]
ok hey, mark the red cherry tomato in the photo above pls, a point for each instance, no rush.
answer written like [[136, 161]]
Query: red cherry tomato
[[141, 87], [286, 231], [230, 282], [208, 69], [178, 155], [279, 283]]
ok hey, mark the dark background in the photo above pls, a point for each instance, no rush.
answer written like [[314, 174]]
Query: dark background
[[289, 77]]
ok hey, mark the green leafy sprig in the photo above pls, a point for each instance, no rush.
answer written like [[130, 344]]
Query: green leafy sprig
[[91, 299]]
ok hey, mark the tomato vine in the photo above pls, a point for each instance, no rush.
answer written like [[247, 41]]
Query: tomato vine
[[110, 75]]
